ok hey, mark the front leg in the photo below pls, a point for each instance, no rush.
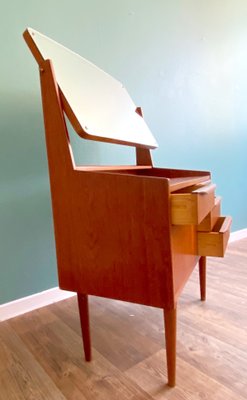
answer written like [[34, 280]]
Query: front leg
[[85, 328], [170, 317], [202, 277]]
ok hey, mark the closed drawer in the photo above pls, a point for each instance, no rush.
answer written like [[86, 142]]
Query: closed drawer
[[210, 220], [214, 243], [191, 205]]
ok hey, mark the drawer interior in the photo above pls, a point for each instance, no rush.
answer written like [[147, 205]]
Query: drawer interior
[[210, 220], [214, 243]]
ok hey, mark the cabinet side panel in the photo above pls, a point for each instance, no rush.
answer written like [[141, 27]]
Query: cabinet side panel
[[116, 242]]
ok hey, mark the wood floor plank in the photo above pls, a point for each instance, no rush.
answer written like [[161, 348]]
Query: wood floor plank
[[21, 372], [213, 323], [59, 350], [9, 388], [109, 336], [38, 318], [215, 358], [192, 384], [41, 353]]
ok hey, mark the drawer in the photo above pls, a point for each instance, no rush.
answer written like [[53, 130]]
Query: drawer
[[191, 205], [214, 243], [210, 220]]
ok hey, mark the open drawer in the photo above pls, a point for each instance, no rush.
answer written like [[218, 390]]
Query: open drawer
[[191, 205], [210, 220], [214, 243]]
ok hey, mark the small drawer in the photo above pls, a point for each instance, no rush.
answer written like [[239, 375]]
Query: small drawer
[[214, 243], [210, 220], [190, 206]]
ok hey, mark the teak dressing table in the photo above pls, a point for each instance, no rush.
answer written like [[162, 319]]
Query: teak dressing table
[[132, 233]]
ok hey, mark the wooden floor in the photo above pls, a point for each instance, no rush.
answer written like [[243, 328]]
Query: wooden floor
[[41, 352]]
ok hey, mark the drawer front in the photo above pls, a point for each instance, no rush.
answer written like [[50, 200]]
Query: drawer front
[[214, 243], [210, 220], [191, 205]]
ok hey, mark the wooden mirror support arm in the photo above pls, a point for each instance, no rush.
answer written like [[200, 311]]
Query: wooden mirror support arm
[[143, 156]]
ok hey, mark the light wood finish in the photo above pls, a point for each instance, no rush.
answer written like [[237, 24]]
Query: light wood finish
[[126, 233], [210, 220], [214, 243], [190, 206], [40, 353]]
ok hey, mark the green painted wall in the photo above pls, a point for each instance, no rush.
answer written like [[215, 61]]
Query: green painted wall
[[183, 61]]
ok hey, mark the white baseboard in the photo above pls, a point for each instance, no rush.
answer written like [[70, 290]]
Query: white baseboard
[[241, 234], [29, 303]]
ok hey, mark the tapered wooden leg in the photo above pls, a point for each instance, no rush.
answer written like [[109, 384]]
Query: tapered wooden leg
[[85, 329], [202, 277], [170, 317]]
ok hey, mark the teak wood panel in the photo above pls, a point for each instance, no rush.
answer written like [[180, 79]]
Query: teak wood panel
[[210, 220], [190, 206], [118, 249], [109, 240], [96, 219]]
